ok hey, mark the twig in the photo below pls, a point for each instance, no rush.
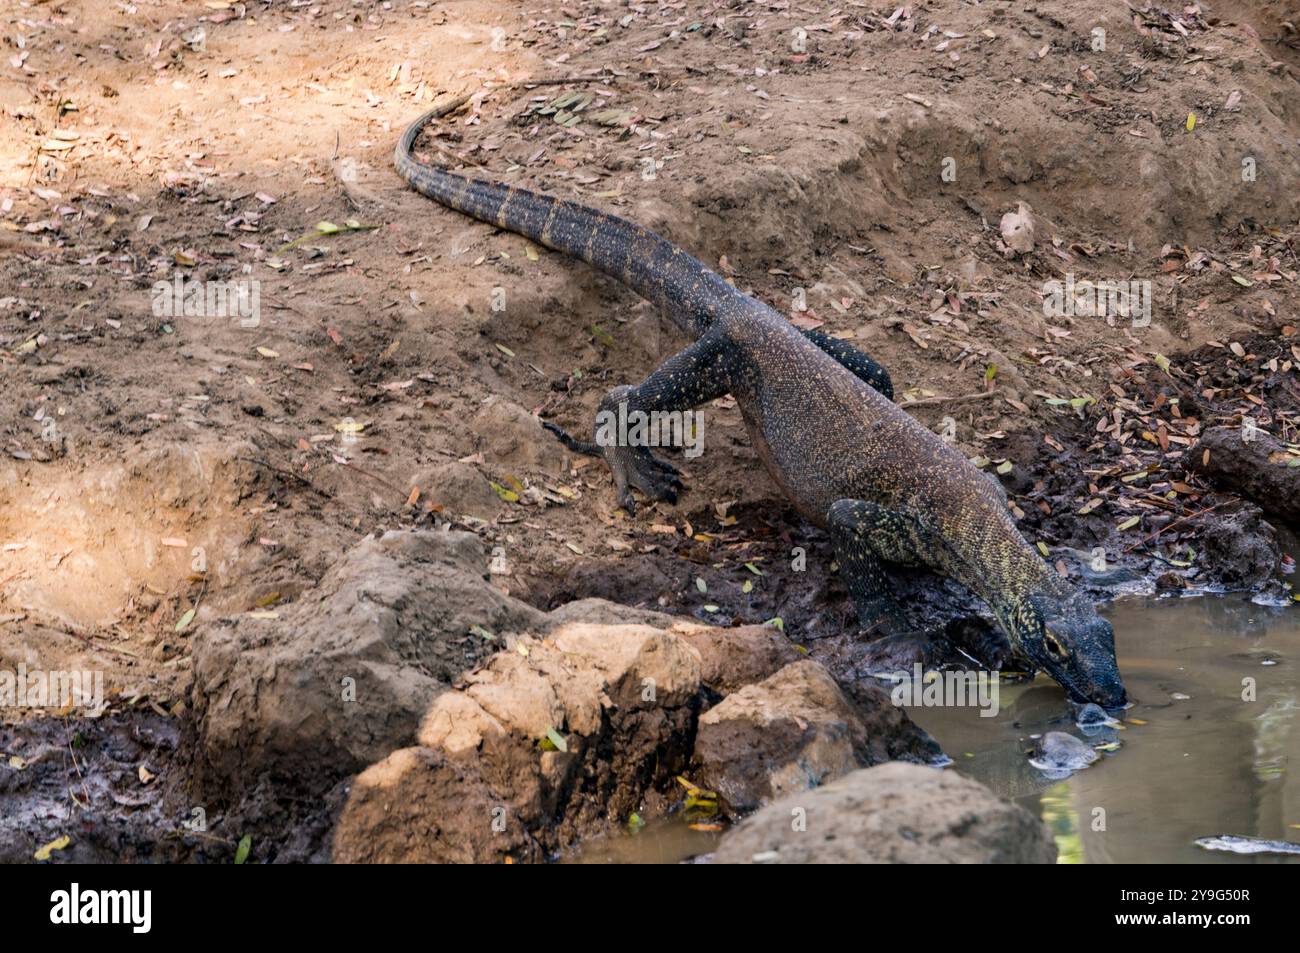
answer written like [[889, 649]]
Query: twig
[[456, 155], [555, 81], [286, 473], [1164, 529], [374, 476], [929, 401], [80, 776]]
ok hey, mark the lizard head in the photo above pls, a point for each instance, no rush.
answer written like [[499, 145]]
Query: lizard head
[[1064, 636]]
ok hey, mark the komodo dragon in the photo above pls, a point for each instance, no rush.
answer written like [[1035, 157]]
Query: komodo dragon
[[821, 415]]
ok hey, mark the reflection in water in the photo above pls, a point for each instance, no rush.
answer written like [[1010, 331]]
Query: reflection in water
[[1210, 746], [1058, 814]]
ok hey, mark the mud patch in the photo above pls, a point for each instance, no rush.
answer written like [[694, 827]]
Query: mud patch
[[103, 783]]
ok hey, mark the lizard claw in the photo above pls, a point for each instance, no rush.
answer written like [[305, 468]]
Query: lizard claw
[[665, 466], [637, 468]]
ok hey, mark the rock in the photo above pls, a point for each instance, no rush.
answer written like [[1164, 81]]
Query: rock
[[733, 658], [392, 616], [642, 665], [1090, 715], [604, 612], [796, 730], [1095, 723], [1017, 230], [479, 786], [458, 488], [1255, 467], [458, 724], [1058, 751], [893, 813], [510, 436], [421, 805]]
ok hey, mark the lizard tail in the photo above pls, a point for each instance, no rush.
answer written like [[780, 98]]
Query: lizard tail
[[682, 287], [577, 446]]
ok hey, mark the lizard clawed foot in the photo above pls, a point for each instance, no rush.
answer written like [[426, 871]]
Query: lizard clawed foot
[[634, 467], [638, 468]]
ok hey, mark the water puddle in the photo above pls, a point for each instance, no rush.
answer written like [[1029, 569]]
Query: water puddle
[[1195, 757], [666, 840]]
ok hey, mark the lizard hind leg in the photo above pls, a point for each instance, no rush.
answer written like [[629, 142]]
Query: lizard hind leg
[[860, 364], [631, 419], [866, 537]]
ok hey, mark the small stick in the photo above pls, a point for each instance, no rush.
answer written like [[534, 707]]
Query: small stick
[[374, 476], [929, 401], [285, 473], [557, 81], [455, 155], [1164, 529]]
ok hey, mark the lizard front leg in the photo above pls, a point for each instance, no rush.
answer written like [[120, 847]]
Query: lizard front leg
[[866, 537], [694, 376]]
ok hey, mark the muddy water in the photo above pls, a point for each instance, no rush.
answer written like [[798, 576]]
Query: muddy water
[[668, 840], [1195, 759]]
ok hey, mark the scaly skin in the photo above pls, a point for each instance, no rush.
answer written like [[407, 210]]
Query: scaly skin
[[819, 411]]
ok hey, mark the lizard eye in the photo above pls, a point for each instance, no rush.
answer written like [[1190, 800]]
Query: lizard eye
[[1054, 645]]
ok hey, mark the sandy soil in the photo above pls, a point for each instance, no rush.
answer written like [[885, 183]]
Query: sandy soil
[[850, 163]]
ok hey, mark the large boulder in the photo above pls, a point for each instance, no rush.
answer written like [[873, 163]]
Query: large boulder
[[544, 742], [338, 679], [891, 814], [734, 658], [796, 730]]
